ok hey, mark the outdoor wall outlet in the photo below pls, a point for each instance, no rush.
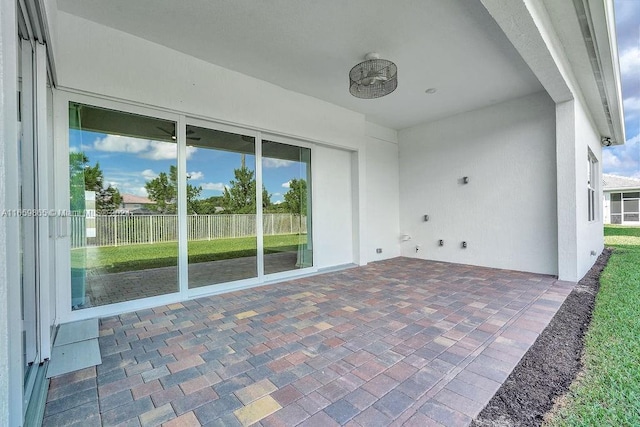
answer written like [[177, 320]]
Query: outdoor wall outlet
[[464, 244], [379, 250], [418, 248], [426, 217], [440, 242], [465, 179]]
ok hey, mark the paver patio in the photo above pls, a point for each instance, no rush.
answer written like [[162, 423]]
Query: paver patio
[[397, 342]]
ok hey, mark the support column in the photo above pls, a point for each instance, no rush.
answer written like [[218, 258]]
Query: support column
[[567, 191]]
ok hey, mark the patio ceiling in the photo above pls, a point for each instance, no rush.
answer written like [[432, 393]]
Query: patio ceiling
[[309, 47]]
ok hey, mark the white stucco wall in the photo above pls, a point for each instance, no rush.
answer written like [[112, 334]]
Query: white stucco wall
[[333, 226], [101, 60], [590, 242], [383, 196], [507, 211]]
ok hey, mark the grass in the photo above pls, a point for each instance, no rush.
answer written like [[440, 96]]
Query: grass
[[608, 391], [116, 259]]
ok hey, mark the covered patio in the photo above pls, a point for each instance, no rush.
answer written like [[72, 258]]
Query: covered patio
[[397, 342]]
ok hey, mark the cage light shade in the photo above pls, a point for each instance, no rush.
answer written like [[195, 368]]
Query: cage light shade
[[373, 78]]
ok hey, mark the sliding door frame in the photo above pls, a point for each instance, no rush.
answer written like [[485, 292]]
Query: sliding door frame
[[62, 227]]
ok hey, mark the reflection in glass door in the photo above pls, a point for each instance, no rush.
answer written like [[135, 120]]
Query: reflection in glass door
[[286, 170], [123, 201], [221, 207]]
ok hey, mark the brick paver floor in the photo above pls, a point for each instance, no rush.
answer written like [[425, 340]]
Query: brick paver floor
[[397, 342]]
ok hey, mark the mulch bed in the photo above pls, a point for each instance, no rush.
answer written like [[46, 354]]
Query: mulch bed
[[547, 370]]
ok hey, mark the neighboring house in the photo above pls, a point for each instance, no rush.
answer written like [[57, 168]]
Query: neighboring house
[[133, 204], [621, 200], [498, 105]]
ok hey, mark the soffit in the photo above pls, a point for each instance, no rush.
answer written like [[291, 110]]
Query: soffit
[[594, 71], [309, 47]]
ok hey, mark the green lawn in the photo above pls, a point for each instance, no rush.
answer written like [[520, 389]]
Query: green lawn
[[609, 391], [115, 259]]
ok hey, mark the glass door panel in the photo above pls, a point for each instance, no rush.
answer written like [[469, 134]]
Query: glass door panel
[[221, 207], [123, 202], [27, 224], [286, 174]]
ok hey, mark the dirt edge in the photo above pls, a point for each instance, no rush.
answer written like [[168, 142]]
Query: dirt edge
[[551, 364]]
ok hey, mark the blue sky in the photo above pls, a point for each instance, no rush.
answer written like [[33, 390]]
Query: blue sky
[[625, 160], [128, 163]]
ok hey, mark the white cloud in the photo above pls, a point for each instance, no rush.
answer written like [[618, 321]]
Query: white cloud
[[149, 174], [623, 160], [609, 160], [286, 184], [196, 175], [217, 186], [145, 148], [121, 144], [160, 151], [268, 162], [632, 105], [630, 60]]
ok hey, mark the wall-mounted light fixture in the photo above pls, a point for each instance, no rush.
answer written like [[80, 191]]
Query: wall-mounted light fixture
[[440, 242], [426, 218], [465, 179], [464, 245], [606, 141]]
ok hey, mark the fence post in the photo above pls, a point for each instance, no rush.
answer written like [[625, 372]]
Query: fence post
[[115, 231]]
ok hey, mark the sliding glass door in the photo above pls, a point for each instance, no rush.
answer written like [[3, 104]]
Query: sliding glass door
[[286, 170], [123, 203], [221, 207], [140, 229]]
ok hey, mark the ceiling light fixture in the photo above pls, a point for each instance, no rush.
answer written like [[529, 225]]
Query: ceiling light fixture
[[373, 78]]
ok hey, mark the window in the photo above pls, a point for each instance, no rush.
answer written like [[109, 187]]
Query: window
[[592, 185]]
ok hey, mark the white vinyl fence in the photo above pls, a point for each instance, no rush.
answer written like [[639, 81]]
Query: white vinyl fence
[[115, 230]]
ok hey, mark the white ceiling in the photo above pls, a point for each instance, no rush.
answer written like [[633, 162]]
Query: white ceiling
[[309, 46]]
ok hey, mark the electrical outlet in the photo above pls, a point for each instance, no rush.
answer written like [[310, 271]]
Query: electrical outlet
[[379, 250], [418, 248]]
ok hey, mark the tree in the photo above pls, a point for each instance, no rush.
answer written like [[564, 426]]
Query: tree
[[163, 190], [240, 197], [296, 197], [207, 206], [90, 178]]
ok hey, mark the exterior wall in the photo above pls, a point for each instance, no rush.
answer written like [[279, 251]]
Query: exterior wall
[[590, 234], [333, 226], [606, 213], [383, 198], [507, 211]]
